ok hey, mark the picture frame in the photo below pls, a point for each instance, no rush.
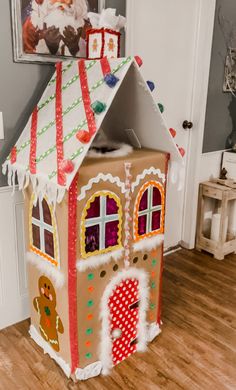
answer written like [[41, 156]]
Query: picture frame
[[40, 44], [230, 71]]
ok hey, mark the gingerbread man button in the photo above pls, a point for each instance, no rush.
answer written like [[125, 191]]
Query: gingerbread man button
[[45, 305]]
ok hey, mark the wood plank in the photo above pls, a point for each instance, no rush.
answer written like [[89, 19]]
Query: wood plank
[[196, 350]]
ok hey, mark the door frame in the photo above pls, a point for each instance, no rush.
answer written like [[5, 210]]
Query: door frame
[[142, 335], [197, 114]]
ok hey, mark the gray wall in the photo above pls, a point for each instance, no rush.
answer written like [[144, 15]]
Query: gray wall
[[221, 106], [21, 85]]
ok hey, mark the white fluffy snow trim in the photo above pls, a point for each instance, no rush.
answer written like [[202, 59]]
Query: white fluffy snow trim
[[122, 150], [49, 270], [96, 261], [89, 371], [47, 349], [41, 185], [147, 244], [150, 171], [101, 177], [153, 331], [106, 341]]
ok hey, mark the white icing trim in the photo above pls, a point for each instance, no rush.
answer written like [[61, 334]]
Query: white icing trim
[[41, 185], [47, 349], [153, 331], [44, 267], [96, 261], [150, 171], [147, 244], [106, 342], [101, 177], [121, 151], [89, 371]]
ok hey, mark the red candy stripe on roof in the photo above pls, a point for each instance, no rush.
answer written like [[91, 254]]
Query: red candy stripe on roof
[[61, 177], [86, 98], [106, 69]]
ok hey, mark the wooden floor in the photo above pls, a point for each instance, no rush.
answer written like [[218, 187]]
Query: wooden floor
[[196, 350]]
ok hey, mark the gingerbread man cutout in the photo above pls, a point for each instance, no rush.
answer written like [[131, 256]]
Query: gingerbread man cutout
[[45, 305]]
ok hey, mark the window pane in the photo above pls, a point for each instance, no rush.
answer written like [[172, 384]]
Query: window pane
[[156, 199], [111, 233], [94, 209], [49, 244], [36, 236], [35, 211], [112, 207], [46, 213], [142, 223], [156, 220], [92, 238], [143, 205]]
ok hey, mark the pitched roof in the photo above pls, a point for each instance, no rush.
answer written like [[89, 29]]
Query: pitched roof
[[69, 114]]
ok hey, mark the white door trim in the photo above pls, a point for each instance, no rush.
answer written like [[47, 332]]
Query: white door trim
[[198, 102], [198, 113], [14, 302]]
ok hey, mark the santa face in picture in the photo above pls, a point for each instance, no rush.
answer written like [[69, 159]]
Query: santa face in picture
[[55, 26]]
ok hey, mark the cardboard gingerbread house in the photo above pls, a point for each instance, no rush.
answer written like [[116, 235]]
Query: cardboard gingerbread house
[[94, 213]]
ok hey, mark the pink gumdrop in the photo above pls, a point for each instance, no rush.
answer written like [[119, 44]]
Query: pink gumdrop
[[139, 60], [67, 166], [172, 132], [83, 136], [182, 151]]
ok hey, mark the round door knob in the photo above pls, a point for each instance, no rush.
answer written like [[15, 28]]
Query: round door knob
[[187, 125]]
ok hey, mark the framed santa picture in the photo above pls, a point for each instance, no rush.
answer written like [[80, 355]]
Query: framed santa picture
[[44, 30]]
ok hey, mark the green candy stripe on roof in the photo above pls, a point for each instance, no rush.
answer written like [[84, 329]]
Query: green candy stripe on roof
[[64, 87], [72, 106]]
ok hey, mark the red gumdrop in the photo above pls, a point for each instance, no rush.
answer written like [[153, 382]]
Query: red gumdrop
[[67, 166], [13, 155], [83, 136], [139, 61], [182, 151], [172, 132]]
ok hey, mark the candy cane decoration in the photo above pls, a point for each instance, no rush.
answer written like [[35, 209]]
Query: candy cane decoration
[[128, 218]]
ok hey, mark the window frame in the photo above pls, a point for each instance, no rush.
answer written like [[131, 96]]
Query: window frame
[[149, 211], [55, 261], [84, 222]]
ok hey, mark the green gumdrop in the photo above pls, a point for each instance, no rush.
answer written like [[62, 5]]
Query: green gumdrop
[[161, 107], [98, 107]]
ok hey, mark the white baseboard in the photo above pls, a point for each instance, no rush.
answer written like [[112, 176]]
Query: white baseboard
[[14, 305]]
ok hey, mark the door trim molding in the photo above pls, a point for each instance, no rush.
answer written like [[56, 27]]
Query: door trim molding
[[203, 43], [204, 40]]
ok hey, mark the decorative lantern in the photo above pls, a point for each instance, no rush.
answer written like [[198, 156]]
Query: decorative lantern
[[103, 42]]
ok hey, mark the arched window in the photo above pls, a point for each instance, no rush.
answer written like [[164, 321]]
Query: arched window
[[43, 231], [149, 211], [101, 224]]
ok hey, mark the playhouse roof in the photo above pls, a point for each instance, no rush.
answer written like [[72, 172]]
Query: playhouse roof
[[69, 114]]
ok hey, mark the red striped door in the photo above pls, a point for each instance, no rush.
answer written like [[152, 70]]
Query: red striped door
[[124, 308]]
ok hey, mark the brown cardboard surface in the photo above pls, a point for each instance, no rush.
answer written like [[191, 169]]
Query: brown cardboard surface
[[34, 275], [93, 289]]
